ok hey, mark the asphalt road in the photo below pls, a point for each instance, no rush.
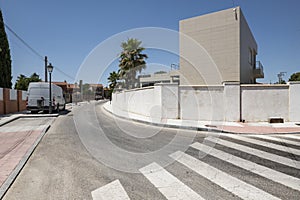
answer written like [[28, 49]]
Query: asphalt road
[[90, 148]]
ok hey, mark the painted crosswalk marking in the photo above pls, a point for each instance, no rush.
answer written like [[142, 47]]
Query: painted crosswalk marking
[[277, 139], [263, 171], [256, 152], [113, 190], [291, 136], [167, 184], [224, 180], [266, 144]]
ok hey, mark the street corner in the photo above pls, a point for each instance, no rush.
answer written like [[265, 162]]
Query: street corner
[[18, 139]]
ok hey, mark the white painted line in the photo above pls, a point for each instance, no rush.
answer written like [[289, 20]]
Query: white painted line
[[266, 144], [167, 184], [229, 183], [256, 152], [277, 139], [263, 171], [113, 190], [294, 136]]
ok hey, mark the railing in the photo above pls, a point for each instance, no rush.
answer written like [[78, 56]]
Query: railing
[[259, 70]]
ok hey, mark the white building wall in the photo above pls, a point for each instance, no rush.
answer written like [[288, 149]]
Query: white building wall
[[210, 48]]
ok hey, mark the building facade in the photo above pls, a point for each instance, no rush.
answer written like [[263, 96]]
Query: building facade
[[218, 47], [162, 77]]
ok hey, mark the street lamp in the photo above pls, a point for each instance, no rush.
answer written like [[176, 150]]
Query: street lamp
[[50, 69]]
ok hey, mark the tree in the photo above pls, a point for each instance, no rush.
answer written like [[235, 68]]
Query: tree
[[112, 79], [295, 77], [131, 61], [23, 81], [86, 89], [5, 59]]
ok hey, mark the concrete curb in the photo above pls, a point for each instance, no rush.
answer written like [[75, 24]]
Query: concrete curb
[[214, 130], [18, 116], [13, 175], [169, 125]]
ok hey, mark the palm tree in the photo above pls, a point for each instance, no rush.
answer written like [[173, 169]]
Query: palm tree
[[131, 61], [112, 79]]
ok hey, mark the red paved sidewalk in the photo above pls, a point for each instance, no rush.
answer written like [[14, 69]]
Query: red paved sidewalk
[[18, 139], [13, 147]]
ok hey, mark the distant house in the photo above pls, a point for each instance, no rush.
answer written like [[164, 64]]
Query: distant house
[[68, 89], [159, 77]]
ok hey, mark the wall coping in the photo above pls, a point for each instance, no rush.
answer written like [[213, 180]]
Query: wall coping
[[293, 83], [202, 86], [269, 86], [231, 83], [165, 84], [135, 89]]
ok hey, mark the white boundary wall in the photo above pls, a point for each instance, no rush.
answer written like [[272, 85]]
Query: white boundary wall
[[261, 102], [228, 102], [202, 103], [24, 95], [13, 94], [294, 101], [156, 102]]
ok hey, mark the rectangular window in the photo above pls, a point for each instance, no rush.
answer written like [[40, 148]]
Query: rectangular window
[[250, 57]]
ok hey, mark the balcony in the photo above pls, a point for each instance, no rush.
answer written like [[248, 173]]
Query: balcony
[[259, 70]]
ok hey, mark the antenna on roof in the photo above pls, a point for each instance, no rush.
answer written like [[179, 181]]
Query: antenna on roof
[[280, 77]]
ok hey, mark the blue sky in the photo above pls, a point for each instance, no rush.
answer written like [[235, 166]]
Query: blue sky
[[67, 31]]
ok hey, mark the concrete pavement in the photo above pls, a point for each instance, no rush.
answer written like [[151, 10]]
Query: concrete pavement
[[214, 166], [215, 126], [19, 135]]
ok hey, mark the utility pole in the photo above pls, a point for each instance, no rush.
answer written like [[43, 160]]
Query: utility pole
[[280, 76], [46, 64]]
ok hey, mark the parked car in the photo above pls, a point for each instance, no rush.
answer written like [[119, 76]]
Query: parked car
[[38, 97]]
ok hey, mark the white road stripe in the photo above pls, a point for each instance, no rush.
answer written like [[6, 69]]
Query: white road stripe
[[113, 190], [268, 173], [167, 184], [230, 183], [256, 152], [294, 136], [266, 144], [277, 139]]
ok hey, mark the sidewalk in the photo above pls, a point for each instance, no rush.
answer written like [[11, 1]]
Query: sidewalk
[[18, 139], [216, 126]]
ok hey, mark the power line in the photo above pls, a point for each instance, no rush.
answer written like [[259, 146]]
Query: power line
[[33, 50], [25, 43], [64, 73]]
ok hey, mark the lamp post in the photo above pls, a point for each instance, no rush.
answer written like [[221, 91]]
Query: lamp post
[[50, 69]]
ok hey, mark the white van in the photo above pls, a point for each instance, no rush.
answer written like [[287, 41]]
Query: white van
[[38, 97]]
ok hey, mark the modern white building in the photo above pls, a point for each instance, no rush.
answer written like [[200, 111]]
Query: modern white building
[[217, 76], [228, 51]]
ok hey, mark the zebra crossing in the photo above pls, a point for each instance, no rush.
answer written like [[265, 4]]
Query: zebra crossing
[[264, 147]]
